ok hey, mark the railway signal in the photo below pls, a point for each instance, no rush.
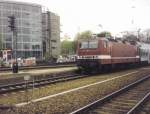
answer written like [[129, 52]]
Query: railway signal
[[12, 26]]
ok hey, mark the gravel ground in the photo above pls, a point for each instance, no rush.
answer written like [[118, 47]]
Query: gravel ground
[[17, 97], [145, 109], [68, 102]]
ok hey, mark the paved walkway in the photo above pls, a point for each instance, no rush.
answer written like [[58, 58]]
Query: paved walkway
[[35, 72]]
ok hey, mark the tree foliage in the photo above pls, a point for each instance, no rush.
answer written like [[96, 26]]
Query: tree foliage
[[84, 35], [67, 47], [104, 34]]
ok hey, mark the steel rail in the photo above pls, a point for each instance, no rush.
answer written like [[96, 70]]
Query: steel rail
[[37, 83], [106, 98], [137, 107]]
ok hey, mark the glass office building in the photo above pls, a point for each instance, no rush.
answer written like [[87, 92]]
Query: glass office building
[[29, 28]]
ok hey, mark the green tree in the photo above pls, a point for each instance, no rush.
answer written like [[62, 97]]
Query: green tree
[[83, 35], [104, 34], [67, 47]]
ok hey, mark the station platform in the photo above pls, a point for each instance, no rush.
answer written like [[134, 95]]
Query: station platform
[[36, 72]]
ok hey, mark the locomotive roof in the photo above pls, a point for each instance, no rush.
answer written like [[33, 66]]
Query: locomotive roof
[[140, 44]]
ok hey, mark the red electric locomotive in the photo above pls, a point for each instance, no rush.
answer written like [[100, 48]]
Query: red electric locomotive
[[103, 53]]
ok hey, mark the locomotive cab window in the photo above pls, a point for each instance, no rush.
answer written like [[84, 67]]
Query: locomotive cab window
[[88, 45], [93, 44], [83, 45]]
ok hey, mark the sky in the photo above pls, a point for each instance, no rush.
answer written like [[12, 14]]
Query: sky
[[99, 15]]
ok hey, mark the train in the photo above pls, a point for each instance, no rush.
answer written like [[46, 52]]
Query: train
[[101, 53]]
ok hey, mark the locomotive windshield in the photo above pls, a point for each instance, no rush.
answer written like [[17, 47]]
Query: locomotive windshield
[[83, 45], [89, 45]]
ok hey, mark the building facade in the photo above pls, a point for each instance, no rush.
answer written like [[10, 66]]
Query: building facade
[[29, 28], [51, 35]]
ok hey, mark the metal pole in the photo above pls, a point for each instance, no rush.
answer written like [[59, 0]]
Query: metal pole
[[33, 89], [26, 91], [16, 46], [26, 78], [12, 26], [49, 34]]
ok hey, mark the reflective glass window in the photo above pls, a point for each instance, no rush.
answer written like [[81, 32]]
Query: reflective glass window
[[8, 46], [26, 46]]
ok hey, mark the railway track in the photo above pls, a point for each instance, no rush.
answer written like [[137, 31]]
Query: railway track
[[128, 100], [145, 108], [37, 83]]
